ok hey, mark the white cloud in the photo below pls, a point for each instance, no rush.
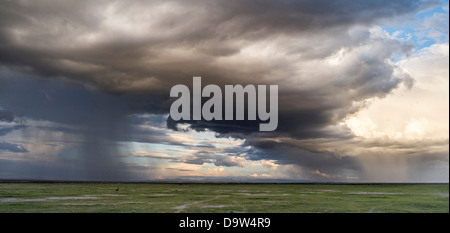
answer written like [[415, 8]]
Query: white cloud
[[419, 113]]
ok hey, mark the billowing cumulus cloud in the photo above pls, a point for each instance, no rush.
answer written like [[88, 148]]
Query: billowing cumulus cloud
[[99, 75]]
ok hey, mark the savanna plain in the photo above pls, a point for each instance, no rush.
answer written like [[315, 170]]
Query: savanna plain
[[23, 197]]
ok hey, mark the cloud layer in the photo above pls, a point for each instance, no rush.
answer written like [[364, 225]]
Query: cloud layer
[[89, 68]]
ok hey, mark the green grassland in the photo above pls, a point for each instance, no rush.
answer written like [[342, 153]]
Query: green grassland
[[222, 198]]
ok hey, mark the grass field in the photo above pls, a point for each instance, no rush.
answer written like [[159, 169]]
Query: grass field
[[222, 198]]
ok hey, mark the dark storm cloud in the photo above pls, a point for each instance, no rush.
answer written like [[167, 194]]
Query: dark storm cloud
[[98, 44], [106, 61], [6, 116], [290, 153], [12, 147]]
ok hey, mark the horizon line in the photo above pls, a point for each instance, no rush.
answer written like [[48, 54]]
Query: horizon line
[[203, 182]]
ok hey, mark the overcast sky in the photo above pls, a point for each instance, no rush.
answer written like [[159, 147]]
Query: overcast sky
[[363, 89]]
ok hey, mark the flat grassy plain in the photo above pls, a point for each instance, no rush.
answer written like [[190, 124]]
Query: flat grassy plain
[[222, 198]]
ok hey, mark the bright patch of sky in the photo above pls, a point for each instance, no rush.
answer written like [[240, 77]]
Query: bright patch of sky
[[425, 29]]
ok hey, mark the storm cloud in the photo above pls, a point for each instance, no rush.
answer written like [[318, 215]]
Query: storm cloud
[[6, 116], [93, 66], [17, 148]]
